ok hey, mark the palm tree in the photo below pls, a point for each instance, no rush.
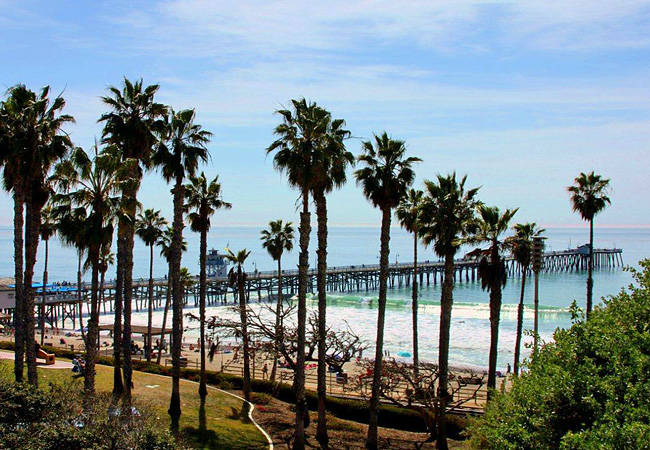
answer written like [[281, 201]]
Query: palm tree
[[178, 156], [237, 277], [385, 180], [12, 137], [43, 144], [332, 160], [132, 126], [203, 200], [165, 245], [149, 227], [447, 217], [521, 245], [48, 229], [300, 136], [589, 197], [276, 239], [492, 272], [408, 214], [90, 204]]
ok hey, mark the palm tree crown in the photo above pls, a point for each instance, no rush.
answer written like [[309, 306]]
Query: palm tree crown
[[521, 243], [448, 212], [135, 120], [589, 195], [203, 199], [149, 226], [302, 133], [387, 174], [409, 210], [165, 243], [182, 146], [278, 238]]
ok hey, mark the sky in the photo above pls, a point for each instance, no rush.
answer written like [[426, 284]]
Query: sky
[[520, 96]]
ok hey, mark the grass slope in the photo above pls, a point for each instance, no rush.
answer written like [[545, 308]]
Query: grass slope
[[222, 423]]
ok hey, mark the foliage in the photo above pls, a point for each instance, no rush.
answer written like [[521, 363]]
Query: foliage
[[589, 195], [588, 389], [52, 419]]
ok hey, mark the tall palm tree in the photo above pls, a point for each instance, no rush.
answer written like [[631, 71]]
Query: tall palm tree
[[203, 200], [277, 239], [43, 143], [447, 216], [89, 199], [149, 227], [178, 156], [300, 136], [165, 245], [48, 229], [12, 137], [491, 225], [521, 246], [132, 125], [408, 214], [332, 161], [237, 277], [385, 180], [589, 197]]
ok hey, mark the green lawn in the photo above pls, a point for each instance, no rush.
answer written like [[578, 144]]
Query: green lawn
[[226, 425]]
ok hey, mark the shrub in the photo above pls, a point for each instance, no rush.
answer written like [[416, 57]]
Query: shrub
[[588, 389], [53, 419], [260, 398]]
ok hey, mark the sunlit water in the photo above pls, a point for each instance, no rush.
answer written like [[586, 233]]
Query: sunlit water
[[355, 246]]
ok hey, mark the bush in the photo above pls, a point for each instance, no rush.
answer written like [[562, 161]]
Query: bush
[[589, 389], [260, 398], [52, 419]]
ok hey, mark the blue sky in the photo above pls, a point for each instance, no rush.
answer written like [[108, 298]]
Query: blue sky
[[521, 96]]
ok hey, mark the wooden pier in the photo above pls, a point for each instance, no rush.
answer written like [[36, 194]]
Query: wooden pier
[[357, 278]]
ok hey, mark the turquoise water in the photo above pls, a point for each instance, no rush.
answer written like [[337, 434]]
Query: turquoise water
[[356, 246]]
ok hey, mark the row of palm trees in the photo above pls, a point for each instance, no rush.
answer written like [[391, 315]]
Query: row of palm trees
[[92, 194], [310, 150]]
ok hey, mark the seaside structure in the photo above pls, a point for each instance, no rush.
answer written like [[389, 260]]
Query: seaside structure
[[216, 264], [62, 304]]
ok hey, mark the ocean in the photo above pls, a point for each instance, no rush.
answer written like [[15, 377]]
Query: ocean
[[470, 332]]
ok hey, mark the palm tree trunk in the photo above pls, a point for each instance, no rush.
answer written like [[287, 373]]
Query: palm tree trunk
[[80, 299], [150, 309], [446, 304], [47, 248], [278, 323], [495, 313], [19, 310], [118, 384], [520, 319], [128, 300], [244, 333], [590, 269], [93, 330], [299, 378], [416, 358], [167, 303], [33, 221], [177, 304], [372, 439], [203, 390], [321, 213]]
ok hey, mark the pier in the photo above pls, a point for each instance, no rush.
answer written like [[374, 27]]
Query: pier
[[64, 306], [356, 278]]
